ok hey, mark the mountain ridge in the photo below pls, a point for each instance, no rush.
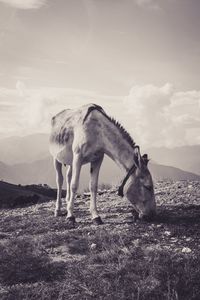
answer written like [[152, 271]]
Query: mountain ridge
[[26, 160], [184, 157], [42, 172]]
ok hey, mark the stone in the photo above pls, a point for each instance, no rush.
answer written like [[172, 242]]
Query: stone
[[186, 250], [93, 246]]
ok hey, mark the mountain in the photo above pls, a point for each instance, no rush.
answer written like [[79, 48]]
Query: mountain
[[186, 157], [26, 160], [32, 148], [42, 171], [161, 172], [5, 171], [24, 149]]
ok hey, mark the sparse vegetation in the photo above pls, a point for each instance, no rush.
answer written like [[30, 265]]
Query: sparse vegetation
[[12, 195], [41, 258], [101, 187], [24, 261]]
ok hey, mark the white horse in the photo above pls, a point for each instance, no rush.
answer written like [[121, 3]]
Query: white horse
[[83, 136]]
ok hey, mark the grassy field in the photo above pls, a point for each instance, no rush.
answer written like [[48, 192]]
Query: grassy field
[[41, 257]]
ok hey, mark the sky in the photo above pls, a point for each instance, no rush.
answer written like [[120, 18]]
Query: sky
[[139, 59]]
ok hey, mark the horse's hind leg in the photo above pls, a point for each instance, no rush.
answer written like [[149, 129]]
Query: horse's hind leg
[[59, 181], [68, 182], [94, 173], [76, 168]]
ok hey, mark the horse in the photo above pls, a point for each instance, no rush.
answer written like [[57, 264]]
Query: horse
[[85, 135]]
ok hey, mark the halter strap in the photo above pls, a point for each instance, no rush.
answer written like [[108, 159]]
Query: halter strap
[[131, 171], [121, 187]]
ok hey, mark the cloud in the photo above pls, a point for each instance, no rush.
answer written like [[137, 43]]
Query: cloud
[[162, 117], [152, 4], [24, 4], [38, 106], [21, 88], [154, 115]]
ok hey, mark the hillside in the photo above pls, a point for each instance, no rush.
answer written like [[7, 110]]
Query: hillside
[[186, 157], [12, 195], [45, 258], [161, 172]]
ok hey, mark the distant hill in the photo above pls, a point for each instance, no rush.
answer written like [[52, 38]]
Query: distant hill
[[186, 157], [15, 150], [42, 171], [161, 172], [26, 160], [12, 195], [33, 148]]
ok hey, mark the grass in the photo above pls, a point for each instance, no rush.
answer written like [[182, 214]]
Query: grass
[[101, 187], [24, 261], [115, 269], [41, 258]]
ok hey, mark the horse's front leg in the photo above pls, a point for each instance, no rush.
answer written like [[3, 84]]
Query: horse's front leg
[[94, 173], [68, 182], [59, 182], [76, 168]]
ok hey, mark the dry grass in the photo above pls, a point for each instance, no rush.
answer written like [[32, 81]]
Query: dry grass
[[115, 269], [41, 258]]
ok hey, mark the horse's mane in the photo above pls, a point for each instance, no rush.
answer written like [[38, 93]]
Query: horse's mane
[[122, 130]]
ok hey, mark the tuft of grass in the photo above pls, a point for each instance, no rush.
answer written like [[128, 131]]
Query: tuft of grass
[[22, 261], [116, 269], [79, 246]]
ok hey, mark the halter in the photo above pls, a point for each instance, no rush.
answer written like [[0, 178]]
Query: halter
[[121, 187], [131, 171]]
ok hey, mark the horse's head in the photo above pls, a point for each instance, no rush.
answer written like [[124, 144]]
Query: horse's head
[[139, 189]]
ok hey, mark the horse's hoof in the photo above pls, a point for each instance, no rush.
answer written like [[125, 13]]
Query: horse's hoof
[[57, 213], [71, 221], [97, 221]]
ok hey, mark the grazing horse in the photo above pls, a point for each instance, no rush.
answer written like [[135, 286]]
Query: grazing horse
[[83, 136]]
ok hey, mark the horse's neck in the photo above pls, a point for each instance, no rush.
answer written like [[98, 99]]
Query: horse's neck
[[119, 149]]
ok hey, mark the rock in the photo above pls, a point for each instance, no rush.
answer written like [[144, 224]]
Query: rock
[[93, 246], [188, 239], [136, 242], [146, 234], [157, 193], [159, 225], [167, 233], [186, 250], [125, 250], [174, 240]]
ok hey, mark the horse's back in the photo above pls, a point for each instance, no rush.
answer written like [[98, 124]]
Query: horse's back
[[79, 127]]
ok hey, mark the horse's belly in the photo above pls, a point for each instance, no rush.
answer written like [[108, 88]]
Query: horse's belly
[[62, 153], [65, 156]]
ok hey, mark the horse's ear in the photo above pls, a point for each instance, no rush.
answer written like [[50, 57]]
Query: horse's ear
[[145, 159], [137, 156]]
